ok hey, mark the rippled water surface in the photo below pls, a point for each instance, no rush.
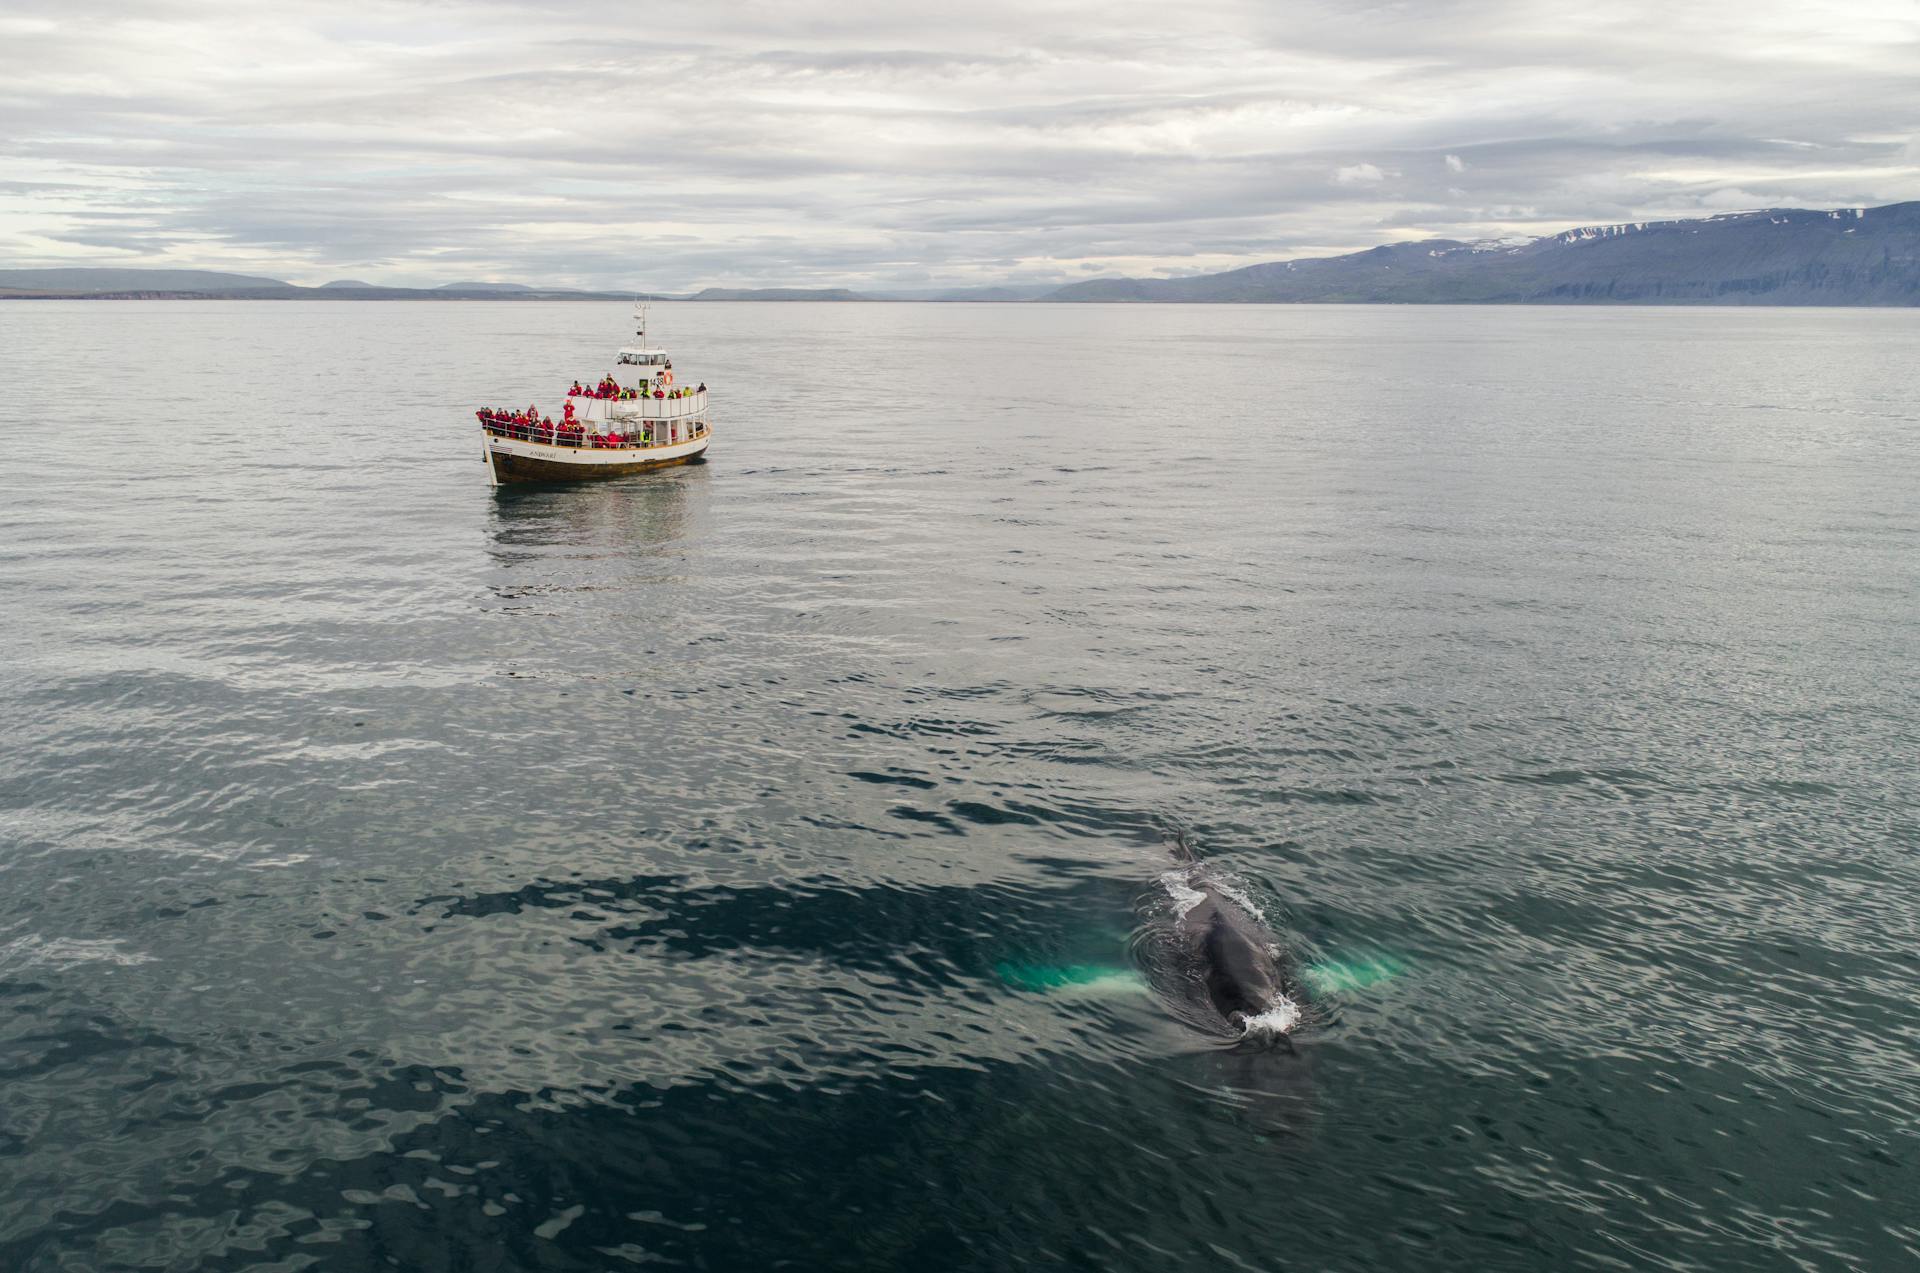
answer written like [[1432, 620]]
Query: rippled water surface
[[758, 865]]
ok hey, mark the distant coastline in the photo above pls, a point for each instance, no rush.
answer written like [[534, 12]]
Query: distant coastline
[[215, 288], [1779, 256]]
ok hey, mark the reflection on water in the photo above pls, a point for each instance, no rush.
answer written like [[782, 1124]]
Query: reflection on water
[[644, 520], [742, 864], [639, 514]]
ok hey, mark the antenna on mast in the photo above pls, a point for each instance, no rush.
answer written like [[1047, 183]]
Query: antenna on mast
[[640, 322]]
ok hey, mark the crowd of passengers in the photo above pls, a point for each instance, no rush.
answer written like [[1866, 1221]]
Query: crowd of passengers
[[610, 389], [534, 427]]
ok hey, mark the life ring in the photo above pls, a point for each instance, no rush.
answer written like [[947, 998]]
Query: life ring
[[666, 377]]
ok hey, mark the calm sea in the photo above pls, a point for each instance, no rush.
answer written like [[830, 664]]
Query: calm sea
[[744, 867]]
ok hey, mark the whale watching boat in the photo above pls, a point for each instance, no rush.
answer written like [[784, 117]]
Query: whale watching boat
[[634, 419]]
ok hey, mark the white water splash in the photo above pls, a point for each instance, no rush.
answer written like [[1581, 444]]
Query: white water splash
[[1278, 1019], [1238, 896], [1180, 886], [1185, 896]]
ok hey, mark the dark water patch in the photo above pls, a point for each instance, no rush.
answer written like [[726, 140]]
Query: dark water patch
[[78, 1044], [547, 895], [1308, 795], [930, 933], [695, 1176], [992, 815], [893, 779], [703, 1174], [1625, 782], [907, 813]]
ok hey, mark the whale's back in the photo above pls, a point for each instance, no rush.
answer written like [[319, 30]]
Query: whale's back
[[1222, 967], [1242, 977]]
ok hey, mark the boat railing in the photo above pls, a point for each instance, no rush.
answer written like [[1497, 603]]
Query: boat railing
[[584, 441], [664, 408], [650, 408]]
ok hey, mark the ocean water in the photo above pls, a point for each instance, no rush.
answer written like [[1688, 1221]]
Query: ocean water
[[750, 866]]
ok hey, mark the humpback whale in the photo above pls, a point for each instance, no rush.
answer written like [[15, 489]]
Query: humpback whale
[[1204, 949], [1228, 952]]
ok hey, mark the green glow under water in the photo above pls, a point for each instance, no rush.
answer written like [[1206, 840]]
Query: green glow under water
[[1063, 976], [1341, 976], [1328, 977]]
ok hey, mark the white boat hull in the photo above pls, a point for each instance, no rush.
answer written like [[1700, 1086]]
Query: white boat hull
[[511, 460]]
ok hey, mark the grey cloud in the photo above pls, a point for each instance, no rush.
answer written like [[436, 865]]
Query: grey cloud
[[871, 144]]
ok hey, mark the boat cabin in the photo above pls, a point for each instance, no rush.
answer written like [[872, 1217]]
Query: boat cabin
[[647, 362]]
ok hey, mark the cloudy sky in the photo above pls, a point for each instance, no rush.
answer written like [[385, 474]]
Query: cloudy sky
[[885, 143]]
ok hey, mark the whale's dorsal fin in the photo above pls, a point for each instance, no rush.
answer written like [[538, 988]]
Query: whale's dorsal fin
[[1180, 846]]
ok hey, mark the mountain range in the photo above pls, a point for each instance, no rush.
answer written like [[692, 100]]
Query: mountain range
[[1780, 256], [1784, 256], [130, 284], [777, 294]]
